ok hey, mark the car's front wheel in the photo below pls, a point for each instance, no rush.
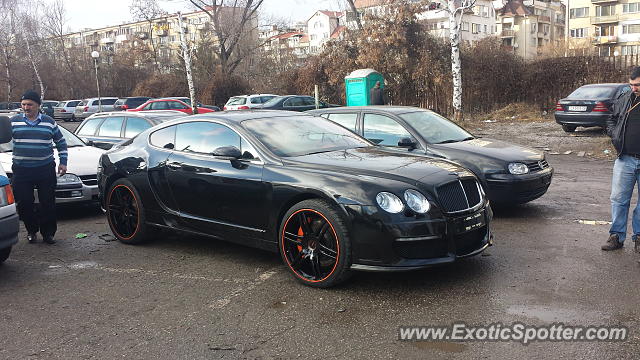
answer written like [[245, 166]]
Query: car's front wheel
[[569, 128], [126, 214], [314, 243], [4, 254]]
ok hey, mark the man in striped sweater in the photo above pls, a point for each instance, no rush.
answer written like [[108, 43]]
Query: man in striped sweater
[[34, 167]]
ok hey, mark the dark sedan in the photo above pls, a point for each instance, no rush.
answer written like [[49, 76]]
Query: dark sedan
[[512, 174], [324, 198], [294, 103], [589, 105], [104, 130]]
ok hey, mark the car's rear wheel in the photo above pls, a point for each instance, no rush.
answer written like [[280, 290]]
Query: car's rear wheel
[[126, 214], [314, 243], [569, 128], [4, 254]]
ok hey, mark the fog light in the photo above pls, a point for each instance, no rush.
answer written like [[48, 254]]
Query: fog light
[[76, 193]]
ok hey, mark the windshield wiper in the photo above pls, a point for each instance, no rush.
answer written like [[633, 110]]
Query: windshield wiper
[[447, 141]]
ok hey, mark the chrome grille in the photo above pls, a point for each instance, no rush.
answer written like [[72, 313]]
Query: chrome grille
[[537, 165], [89, 180], [460, 195]]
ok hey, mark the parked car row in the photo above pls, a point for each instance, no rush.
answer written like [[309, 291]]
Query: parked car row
[[78, 110], [275, 102]]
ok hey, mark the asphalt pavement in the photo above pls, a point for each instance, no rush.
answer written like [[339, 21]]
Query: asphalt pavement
[[184, 297]]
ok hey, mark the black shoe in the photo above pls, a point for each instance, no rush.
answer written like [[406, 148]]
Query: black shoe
[[32, 237], [48, 239], [613, 243], [636, 243]]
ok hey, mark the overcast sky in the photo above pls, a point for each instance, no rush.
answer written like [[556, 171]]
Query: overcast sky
[[100, 13]]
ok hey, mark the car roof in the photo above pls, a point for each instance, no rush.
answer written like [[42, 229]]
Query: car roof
[[604, 85], [145, 114], [396, 109], [240, 116]]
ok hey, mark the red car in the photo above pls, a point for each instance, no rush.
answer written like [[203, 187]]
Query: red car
[[169, 104]]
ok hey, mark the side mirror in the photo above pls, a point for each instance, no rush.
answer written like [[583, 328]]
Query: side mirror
[[5, 129], [409, 143], [231, 152], [90, 143]]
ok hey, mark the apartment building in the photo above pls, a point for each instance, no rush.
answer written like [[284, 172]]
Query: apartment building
[[528, 26], [284, 44], [607, 27], [161, 35], [323, 26]]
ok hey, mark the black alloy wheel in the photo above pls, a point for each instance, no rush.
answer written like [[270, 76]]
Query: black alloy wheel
[[314, 244], [125, 213]]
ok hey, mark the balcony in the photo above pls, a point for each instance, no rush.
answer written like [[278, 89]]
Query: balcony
[[122, 38], [107, 40], [544, 19], [604, 19], [142, 35], [507, 33], [91, 42], [603, 1], [603, 40], [162, 32]]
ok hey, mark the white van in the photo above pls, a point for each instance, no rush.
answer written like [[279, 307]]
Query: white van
[[9, 224]]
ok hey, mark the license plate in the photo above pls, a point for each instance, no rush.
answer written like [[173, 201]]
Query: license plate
[[471, 222], [577, 108]]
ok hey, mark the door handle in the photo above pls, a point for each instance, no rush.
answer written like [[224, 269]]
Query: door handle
[[174, 165]]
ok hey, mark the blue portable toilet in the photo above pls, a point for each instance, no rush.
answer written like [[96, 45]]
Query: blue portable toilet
[[358, 84]]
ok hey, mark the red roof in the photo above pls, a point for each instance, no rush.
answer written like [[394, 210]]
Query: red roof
[[339, 30], [515, 8], [287, 35], [334, 14]]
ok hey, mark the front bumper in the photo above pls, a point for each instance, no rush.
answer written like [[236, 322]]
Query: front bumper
[[9, 227], [410, 242], [74, 193], [64, 115], [518, 189], [581, 119]]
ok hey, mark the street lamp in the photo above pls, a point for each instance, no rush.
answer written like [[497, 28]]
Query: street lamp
[[95, 55]]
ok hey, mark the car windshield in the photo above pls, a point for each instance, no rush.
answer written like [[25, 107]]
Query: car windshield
[[71, 139], [434, 128], [296, 136], [273, 101], [593, 92]]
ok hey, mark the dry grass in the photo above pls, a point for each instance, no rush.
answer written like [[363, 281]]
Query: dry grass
[[514, 112]]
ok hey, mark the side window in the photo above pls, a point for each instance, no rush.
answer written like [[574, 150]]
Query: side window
[[346, 120], [176, 105], [308, 101], [383, 130], [72, 103], [160, 105], [111, 126], [204, 137], [624, 90], [108, 101], [164, 138], [135, 126], [90, 126], [248, 152], [294, 101]]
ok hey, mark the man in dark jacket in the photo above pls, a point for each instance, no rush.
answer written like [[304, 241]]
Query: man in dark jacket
[[376, 95], [623, 126]]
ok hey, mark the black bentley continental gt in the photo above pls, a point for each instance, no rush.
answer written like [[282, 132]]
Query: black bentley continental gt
[[327, 200]]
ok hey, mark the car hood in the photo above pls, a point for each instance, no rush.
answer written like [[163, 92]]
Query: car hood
[[377, 162], [83, 160], [483, 149]]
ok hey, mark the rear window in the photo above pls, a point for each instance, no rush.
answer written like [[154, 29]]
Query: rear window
[[593, 92], [72, 103], [108, 101], [237, 101]]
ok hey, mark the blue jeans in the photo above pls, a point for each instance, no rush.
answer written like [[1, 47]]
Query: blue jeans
[[626, 174]]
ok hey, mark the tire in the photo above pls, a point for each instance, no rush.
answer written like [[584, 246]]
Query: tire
[[318, 254], [4, 254], [126, 214], [569, 128]]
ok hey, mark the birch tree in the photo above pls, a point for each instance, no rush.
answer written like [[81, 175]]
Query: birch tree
[[56, 27], [186, 56], [32, 39], [233, 21], [456, 9], [8, 32]]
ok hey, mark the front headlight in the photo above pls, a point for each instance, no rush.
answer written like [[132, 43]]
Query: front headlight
[[416, 201], [389, 202], [68, 179], [518, 168]]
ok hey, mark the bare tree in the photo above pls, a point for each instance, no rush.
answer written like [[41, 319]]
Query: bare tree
[[32, 37], [353, 8], [148, 11], [456, 9], [8, 37], [232, 21]]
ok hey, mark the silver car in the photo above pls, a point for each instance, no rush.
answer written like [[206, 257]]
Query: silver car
[[80, 183], [91, 106], [9, 225], [65, 110]]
